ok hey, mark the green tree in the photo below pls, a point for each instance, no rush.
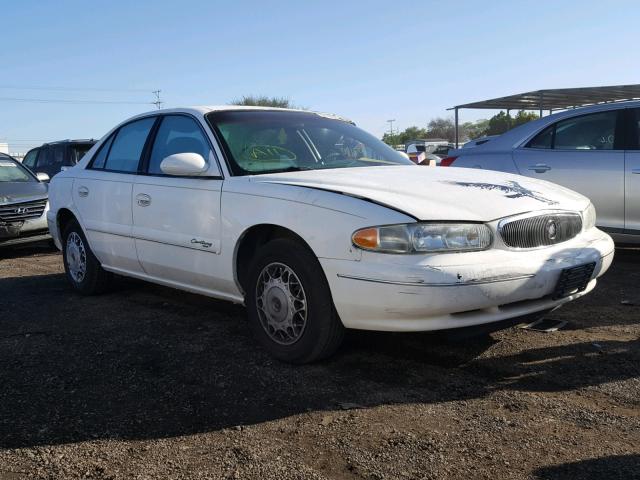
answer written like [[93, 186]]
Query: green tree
[[410, 133], [502, 121], [523, 117], [471, 130], [442, 128], [263, 101]]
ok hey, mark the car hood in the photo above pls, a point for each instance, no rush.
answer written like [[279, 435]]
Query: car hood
[[438, 193], [14, 192]]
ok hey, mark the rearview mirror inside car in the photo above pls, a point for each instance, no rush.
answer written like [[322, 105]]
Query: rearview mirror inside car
[[184, 164]]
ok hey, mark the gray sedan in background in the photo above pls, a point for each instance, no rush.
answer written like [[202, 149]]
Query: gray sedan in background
[[594, 150], [23, 203]]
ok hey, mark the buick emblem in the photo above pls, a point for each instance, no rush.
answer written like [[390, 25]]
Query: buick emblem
[[552, 230]]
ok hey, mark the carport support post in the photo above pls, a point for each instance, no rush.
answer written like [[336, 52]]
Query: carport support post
[[541, 103], [456, 115]]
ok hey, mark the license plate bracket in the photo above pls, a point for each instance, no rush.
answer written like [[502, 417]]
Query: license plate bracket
[[573, 280]]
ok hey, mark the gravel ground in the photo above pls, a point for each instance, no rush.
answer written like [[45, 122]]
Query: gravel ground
[[147, 382]]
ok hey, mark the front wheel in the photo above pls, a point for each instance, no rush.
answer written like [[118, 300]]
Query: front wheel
[[289, 304], [83, 270]]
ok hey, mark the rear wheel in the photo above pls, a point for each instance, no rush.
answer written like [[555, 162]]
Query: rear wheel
[[289, 304], [82, 268]]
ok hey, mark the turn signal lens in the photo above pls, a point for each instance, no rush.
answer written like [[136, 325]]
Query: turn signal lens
[[366, 238]]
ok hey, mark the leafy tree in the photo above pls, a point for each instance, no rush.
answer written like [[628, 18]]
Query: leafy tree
[[524, 117], [502, 121], [263, 101], [411, 133], [442, 128], [471, 130]]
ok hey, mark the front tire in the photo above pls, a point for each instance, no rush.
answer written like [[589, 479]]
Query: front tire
[[289, 304], [82, 268]]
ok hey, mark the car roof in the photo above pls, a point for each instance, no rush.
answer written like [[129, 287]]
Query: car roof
[[81, 140], [205, 109]]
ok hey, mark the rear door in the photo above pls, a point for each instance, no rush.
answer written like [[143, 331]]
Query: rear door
[[177, 219], [102, 192], [586, 154], [632, 175]]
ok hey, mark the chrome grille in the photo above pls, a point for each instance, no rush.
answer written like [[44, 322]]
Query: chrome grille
[[540, 230], [17, 212]]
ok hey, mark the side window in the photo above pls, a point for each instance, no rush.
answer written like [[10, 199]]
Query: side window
[[56, 158], [99, 159], [177, 134], [543, 139], [587, 132], [128, 144], [44, 157], [30, 158]]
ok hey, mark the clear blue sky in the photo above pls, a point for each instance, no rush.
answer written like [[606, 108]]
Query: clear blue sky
[[367, 60]]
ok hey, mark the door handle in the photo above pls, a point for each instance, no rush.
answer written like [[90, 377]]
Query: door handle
[[636, 170], [143, 199], [83, 191], [539, 168]]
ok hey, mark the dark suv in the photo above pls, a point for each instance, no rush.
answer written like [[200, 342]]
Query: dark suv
[[51, 157]]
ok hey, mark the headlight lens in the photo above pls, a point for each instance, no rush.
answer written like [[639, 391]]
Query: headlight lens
[[424, 237], [589, 217]]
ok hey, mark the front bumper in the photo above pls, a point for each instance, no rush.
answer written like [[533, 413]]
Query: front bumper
[[25, 231], [454, 290]]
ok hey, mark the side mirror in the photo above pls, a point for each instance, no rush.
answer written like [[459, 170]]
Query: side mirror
[[184, 164], [43, 177]]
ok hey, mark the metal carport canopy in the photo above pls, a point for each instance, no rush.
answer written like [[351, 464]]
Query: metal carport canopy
[[554, 99]]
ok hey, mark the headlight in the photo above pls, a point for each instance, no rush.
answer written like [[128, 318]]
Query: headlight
[[423, 237], [589, 217]]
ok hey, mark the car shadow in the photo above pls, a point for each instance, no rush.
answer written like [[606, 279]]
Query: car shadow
[[150, 362], [621, 467], [27, 249]]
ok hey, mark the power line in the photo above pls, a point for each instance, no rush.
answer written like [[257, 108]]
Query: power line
[[72, 89], [73, 102]]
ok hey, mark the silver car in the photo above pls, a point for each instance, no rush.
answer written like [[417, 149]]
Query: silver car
[[23, 203], [594, 150]]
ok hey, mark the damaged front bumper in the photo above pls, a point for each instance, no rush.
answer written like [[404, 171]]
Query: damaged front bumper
[[454, 290]]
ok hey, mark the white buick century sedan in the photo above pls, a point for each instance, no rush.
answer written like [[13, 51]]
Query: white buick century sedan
[[317, 226]]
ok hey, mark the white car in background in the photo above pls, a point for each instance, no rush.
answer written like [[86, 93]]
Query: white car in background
[[593, 150], [317, 226]]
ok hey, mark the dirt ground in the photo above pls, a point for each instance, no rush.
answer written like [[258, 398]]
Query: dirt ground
[[147, 382]]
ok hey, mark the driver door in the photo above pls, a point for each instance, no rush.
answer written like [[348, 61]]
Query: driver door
[[176, 220]]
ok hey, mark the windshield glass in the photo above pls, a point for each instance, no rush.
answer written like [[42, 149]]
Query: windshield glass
[[272, 141], [12, 171]]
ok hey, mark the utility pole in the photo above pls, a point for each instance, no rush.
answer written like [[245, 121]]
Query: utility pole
[[390, 122], [158, 103]]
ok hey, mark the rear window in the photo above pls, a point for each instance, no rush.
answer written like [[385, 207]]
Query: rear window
[[78, 150]]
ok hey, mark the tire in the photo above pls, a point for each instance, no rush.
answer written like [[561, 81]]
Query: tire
[[299, 323], [94, 279]]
